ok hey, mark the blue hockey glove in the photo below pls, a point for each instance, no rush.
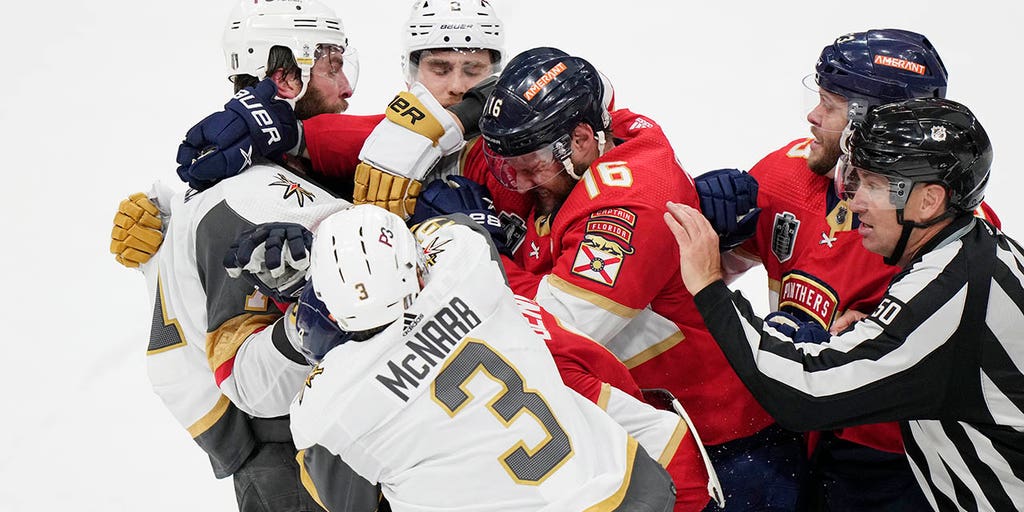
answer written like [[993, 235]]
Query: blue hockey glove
[[274, 257], [223, 144], [728, 199], [458, 194], [317, 330], [798, 330]]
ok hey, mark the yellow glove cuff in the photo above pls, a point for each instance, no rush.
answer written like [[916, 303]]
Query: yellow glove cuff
[[396, 194], [408, 111]]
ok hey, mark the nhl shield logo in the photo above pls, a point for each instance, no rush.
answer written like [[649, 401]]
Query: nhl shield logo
[[784, 235]]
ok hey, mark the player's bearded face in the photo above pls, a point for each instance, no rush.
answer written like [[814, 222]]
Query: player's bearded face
[[828, 119], [552, 194], [329, 85]]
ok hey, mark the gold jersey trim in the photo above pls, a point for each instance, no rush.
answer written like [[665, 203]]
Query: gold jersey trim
[[210, 418], [592, 297], [612, 502]]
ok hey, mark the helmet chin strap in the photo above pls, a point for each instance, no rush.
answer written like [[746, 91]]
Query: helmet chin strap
[[908, 227], [567, 161]]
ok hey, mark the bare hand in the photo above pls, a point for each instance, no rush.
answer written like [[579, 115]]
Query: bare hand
[[699, 259], [845, 320]]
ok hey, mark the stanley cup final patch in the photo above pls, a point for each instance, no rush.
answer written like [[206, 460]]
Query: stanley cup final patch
[[605, 246], [784, 232]]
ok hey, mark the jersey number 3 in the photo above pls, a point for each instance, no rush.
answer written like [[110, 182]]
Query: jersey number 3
[[524, 465]]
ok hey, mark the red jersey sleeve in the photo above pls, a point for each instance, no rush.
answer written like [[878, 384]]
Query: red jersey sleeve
[[333, 142]]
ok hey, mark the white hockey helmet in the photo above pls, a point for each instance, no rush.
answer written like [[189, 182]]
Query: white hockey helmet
[[365, 266], [254, 26], [452, 24]]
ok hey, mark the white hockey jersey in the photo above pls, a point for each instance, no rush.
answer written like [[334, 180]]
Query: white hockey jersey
[[215, 353], [459, 406]]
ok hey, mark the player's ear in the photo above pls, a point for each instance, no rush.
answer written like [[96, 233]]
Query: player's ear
[[582, 136], [288, 85], [933, 200]]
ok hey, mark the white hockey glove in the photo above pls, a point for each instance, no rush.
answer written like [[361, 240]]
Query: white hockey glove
[[416, 132]]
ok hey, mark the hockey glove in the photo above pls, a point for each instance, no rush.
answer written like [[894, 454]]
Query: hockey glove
[[728, 199], [415, 133], [798, 330], [311, 329], [136, 234], [458, 194], [274, 257], [471, 108], [223, 144]]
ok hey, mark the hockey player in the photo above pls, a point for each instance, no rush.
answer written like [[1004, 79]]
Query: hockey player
[[585, 366], [217, 356], [937, 354], [433, 384], [600, 180], [446, 47], [807, 239]]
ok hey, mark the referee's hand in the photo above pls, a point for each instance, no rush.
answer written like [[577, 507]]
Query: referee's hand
[[699, 259]]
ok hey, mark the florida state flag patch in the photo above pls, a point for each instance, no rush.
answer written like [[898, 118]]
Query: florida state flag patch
[[605, 245]]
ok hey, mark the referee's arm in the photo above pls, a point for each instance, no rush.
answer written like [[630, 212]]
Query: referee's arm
[[873, 373]]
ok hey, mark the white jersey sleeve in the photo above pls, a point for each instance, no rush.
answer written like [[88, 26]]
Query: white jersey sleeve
[[213, 332]]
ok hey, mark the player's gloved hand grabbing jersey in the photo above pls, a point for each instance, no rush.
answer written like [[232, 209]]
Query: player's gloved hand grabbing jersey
[[415, 133], [222, 145], [799, 331], [137, 231], [274, 257], [458, 194], [728, 199]]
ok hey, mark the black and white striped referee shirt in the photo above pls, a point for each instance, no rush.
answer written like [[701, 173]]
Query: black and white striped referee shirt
[[943, 353]]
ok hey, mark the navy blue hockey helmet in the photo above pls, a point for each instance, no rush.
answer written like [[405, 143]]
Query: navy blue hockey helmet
[[881, 66], [927, 140], [542, 94], [320, 333]]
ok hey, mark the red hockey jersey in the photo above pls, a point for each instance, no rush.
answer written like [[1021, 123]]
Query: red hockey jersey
[[616, 277]]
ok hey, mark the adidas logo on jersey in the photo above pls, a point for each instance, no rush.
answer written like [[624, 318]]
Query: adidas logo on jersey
[[641, 123], [427, 348], [409, 322]]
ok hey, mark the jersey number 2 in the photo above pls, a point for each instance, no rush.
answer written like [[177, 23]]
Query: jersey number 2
[[524, 465]]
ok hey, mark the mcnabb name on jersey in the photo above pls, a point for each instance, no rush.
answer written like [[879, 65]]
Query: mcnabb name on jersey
[[427, 347]]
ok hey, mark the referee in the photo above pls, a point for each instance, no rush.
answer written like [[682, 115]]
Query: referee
[[943, 352]]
